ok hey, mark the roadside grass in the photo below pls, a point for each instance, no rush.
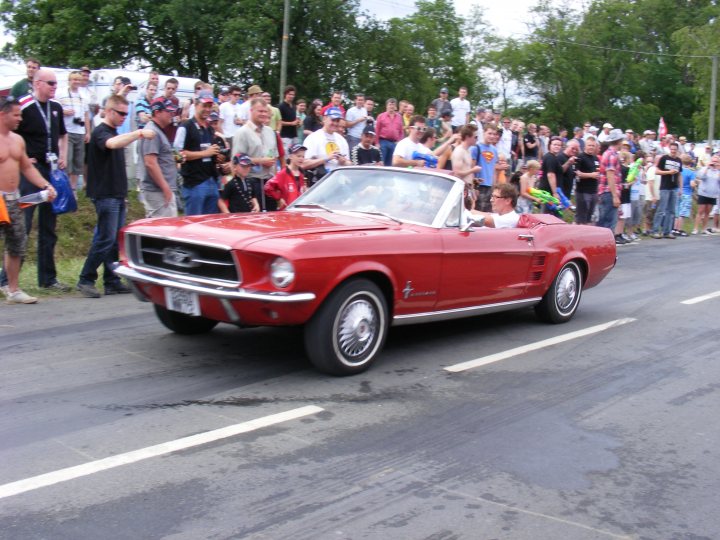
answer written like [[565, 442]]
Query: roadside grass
[[74, 233]]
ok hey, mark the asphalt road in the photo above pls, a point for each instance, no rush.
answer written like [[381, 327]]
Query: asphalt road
[[612, 434]]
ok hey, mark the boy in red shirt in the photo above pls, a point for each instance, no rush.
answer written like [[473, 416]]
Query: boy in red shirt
[[289, 183]]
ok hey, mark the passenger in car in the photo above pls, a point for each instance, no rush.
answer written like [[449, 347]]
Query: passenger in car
[[503, 200]]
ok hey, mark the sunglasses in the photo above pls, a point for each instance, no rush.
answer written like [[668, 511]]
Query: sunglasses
[[419, 129], [49, 83], [121, 113]]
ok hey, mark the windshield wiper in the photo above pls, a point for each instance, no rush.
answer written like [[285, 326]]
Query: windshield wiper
[[313, 205], [383, 214]]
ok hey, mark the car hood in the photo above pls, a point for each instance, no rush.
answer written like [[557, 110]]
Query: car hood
[[239, 230]]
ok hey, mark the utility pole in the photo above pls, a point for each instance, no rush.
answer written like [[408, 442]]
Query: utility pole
[[283, 49], [713, 95]]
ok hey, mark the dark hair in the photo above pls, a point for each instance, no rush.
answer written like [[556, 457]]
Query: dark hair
[[235, 88], [418, 118], [172, 80], [467, 131], [33, 60], [509, 191], [429, 133], [7, 103], [288, 89]]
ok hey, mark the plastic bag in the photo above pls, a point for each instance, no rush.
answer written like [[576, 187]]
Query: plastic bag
[[65, 200]]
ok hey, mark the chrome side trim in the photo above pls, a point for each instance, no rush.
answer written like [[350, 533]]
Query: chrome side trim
[[459, 313], [218, 292]]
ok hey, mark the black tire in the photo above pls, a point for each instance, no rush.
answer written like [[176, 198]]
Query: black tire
[[348, 331], [563, 297], [184, 324]]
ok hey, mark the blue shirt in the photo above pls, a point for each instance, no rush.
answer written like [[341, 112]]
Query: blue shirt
[[486, 156]]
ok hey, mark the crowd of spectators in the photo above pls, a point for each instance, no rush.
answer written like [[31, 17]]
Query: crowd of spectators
[[229, 150]]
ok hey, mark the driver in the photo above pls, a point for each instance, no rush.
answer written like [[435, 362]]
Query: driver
[[503, 200]]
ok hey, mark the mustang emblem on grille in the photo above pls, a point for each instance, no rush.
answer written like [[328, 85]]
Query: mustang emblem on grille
[[180, 257]]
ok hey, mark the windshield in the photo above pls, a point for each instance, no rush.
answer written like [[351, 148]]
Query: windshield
[[406, 196]]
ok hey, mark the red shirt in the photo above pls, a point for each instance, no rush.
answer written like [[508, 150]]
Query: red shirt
[[285, 186], [326, 107], [389, 127]]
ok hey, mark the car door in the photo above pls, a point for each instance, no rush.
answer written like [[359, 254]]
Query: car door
[[484, 266]]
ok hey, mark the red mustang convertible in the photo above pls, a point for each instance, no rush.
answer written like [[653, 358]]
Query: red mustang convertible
[[364, 249]]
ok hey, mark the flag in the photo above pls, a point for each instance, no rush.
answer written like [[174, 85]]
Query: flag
[[662, 128]]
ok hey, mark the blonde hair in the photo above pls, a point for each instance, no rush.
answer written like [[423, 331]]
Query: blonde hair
[[533, 164]]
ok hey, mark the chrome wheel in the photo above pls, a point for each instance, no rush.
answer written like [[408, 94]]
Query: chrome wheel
[[566, 290], [356, 329]]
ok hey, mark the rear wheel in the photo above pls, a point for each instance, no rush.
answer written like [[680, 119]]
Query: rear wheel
[[348, 331], [562, 298], [184, 324]]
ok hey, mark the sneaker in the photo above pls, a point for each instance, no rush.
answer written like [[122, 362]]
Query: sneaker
[[88, 291], [19, 297], [619, 240], [670, 236], [705, 233], [58, 287], [694, 231], [634, 237], [681, 233], [656, 235], [118, 288], [5, 290], [710, 231]]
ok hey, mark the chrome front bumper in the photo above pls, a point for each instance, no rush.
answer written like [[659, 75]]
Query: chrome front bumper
[[219, 292]]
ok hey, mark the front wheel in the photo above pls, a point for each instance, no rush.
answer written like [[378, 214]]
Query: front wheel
[[562, 298], [348, 331], [184, 324]]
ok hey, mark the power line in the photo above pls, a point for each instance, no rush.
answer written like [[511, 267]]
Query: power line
[[588, 46]]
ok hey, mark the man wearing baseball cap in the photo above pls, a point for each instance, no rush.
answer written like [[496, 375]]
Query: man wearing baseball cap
[[158, 184], [366, 153], [195, 138], [289, 183], [326, 147], [243, 112]]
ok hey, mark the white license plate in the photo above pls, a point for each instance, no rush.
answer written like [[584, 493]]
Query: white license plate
[[183, 301]]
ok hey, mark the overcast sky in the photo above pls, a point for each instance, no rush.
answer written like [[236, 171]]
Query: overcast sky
[[508, 16]]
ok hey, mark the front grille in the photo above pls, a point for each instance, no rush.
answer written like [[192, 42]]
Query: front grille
[[193, 261]]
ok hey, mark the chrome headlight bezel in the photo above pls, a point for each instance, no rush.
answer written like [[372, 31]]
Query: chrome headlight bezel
[[282, 273]]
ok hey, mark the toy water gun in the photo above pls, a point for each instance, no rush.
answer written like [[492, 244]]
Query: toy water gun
[[634, 170], [553, 203], [430, 160], [564, 201]]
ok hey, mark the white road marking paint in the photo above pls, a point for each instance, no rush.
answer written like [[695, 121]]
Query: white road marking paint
[[70, 473], [485, 360], [698, 299]]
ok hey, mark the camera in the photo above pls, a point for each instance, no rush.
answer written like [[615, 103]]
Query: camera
[[78, 121]]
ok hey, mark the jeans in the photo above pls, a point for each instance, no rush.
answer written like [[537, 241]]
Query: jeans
[[608, 213], [386, 149], [201, 199], [104, 248], [352, 142], [586, 203], [47, 223], [665, 213]]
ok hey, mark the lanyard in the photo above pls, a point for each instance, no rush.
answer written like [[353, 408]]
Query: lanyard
[[46, 118]]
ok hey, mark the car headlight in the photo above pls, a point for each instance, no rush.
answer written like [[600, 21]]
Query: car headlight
[[282, 272]]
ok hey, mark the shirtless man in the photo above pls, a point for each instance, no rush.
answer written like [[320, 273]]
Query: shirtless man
[[13, 161], [462, 160]]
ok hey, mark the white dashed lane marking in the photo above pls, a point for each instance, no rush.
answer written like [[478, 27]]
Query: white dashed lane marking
[[503, 355], [92, 467], [698, 299]]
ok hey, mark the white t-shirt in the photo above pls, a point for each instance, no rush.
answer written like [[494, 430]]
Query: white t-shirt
[[228, 112], [460, 111], [506, 221], [353, 114], [321, 144], [244, 111], [406, 147], [76, 102]]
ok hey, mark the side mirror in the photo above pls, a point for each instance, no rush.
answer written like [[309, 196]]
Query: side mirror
[[471, 221]]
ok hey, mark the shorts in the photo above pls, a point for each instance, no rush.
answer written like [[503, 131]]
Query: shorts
[[684, 206], [14, 232], [650, 209], [75, 153], [702, 199], [155, 205], [625, 211]]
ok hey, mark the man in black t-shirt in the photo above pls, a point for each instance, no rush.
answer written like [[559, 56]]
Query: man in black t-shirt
[[42, 123], [586, 187], [568, 161], [107, 187], [530, 143], [669, 167], [551, 172], [289, 120]]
